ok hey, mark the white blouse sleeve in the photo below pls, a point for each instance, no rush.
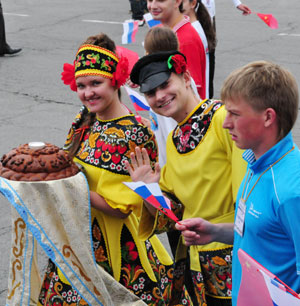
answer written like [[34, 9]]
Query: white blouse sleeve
[[236, 2]]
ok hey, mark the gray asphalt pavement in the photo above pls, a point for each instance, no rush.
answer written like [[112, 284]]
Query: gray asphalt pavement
[[36, 106]]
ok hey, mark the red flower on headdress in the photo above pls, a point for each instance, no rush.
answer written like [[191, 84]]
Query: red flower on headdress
[[121, 74], [177, 62], [68, 76]]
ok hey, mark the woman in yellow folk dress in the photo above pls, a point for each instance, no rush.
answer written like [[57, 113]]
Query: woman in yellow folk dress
[[101, 139]]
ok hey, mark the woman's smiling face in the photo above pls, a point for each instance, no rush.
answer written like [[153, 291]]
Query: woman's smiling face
[[97, 94]]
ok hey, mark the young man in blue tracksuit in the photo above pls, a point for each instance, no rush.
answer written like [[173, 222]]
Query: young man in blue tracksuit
[[261, 99]]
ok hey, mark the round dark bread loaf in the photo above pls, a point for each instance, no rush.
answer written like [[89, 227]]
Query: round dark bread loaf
[[30, 163]]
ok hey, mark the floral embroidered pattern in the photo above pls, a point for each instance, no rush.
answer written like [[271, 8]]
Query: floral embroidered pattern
[[216, 268], [94, 60], [107, 64], [180, 297], [133, 275], [55, 291], [89, 61], [100, 251], [95, 57], [186, 137], [215, 278], [109, 143], [75, 125]]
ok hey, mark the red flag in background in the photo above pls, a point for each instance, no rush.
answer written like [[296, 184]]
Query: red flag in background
[[132, 56], [269, 19]]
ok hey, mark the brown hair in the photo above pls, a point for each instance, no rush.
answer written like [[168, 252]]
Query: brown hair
[[265, 85], [160, 39], [206, 23], [101, 40], [181, 7]]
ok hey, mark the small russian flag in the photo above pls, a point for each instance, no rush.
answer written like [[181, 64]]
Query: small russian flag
[[279, 294], [139, 101], [260, 287], [150, 21], [129, 31], [153, 195]]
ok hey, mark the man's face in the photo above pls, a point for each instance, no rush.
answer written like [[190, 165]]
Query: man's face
[[170, 98], [162, 10], [246, 125]]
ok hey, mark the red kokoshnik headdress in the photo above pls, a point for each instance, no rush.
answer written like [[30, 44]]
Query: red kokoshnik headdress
[[95, 60]]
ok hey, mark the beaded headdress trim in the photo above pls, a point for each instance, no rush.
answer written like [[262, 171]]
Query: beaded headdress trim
[[94, 60]]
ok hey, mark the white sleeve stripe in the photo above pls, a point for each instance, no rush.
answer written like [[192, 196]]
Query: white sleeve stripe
[[274, 184]]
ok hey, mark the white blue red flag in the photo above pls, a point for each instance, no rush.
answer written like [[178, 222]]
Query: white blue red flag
[[260, 287], [139, 101], [150, 21], [153, 195], [129, 31], [279, 292]]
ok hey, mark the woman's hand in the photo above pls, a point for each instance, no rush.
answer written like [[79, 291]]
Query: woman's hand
[[140, 168]]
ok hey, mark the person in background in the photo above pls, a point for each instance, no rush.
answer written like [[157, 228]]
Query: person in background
[[201, 175], [162, 39], [202, 22], [262, 102], [101, 139], [5, 49], [170, 13], [210, 6], [138, 9]]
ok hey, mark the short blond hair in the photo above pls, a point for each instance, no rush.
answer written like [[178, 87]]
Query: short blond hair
[[265, 85]]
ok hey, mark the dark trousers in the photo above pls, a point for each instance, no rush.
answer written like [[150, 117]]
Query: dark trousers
[[138, 8], [2, 31]]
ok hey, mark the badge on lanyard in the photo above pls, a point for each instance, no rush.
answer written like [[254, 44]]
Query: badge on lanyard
[[240, 217]]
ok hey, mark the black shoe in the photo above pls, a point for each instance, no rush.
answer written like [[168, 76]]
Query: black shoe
[[9, 51], [141, 22]]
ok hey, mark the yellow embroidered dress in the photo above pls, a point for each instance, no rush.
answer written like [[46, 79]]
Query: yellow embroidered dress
[[203, 172], [143, 267]]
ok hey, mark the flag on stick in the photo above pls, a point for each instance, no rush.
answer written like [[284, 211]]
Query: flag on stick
[[139, 101], [150, 21], [268, 19], [129, 31], [153, 195]]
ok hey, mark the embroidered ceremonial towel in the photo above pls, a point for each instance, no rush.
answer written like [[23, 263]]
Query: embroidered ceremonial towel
[[56, 214]]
